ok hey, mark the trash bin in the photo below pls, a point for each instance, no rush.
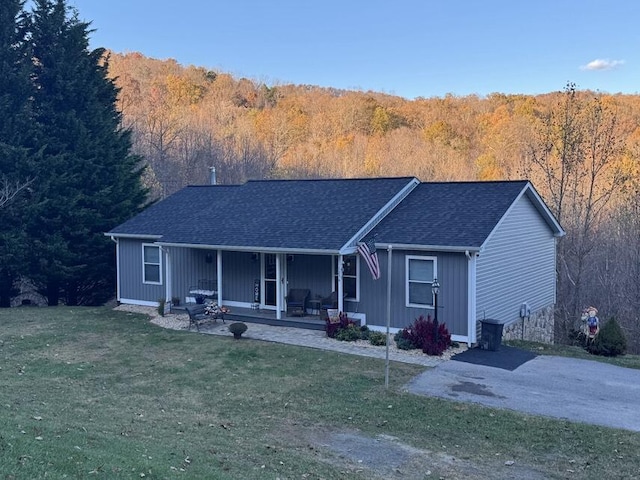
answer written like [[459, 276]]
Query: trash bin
[[491, 335]]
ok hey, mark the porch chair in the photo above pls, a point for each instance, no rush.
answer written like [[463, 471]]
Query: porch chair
[[327, 303], [297, 301]]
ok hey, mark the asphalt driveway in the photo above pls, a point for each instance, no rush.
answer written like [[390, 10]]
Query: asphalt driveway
[[566, 388]]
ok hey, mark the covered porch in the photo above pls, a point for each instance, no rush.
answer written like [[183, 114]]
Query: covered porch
[[256, 286]]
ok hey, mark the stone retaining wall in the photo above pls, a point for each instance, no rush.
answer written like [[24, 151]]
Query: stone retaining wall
[[539, 327]]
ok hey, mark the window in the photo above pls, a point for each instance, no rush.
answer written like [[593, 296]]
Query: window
[[349, 276], [420, 274], [151, 264]]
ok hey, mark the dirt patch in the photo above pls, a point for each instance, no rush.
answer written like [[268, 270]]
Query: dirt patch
[[386, 457]]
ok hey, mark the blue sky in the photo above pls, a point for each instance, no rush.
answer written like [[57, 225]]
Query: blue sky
[[410, 48]]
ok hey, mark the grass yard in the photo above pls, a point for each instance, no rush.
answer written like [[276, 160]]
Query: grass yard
[[95, 393]]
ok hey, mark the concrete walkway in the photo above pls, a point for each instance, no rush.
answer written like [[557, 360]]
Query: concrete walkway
[[318, 339]]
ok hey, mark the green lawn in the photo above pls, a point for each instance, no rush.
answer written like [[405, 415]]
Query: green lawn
[[94, 393]]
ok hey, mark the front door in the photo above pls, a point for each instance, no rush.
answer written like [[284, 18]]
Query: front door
[[270, 279]]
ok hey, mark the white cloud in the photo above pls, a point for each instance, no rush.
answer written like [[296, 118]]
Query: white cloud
[[602, 64]]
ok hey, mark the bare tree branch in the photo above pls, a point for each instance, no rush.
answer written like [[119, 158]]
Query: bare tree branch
[[10, 190]]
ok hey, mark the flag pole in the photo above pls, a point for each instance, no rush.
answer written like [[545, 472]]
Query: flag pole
[[386, 368]]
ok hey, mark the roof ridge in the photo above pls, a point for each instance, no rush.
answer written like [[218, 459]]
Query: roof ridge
[[283, 180], [467, 182]]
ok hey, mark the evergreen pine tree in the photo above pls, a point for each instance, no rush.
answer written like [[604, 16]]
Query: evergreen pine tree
[[87, 179], [15, 129], [610, 341]]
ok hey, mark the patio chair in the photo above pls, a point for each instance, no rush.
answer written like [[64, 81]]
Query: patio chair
[[327, 303], [330, 302], [297, 301]]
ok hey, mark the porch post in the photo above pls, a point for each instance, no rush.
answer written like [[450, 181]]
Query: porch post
[[278, 287], [219, 275], [340, 284]]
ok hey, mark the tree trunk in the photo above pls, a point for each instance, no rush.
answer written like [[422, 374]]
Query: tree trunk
[[53, 293], [71, 292]]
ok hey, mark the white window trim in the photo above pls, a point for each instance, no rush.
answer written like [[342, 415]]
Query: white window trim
[[144, 280], [357, 276], [408, 258]]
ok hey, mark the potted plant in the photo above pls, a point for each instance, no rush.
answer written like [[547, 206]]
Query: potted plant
[[237, 328], [175, 301]]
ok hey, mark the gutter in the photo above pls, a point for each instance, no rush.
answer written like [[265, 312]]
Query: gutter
[[251, 248], [432, 248], [132, 235]]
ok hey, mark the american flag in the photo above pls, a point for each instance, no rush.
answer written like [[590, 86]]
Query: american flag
[[368, 251]]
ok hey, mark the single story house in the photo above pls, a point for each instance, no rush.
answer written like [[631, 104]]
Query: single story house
[[490, 245]]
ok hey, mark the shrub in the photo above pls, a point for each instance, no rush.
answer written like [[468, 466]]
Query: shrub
[[377, 338], [349, 334], [343, 322], [161, 304], [364, 332], [431, 337], [402, 342], [610, 341], [237, 328]]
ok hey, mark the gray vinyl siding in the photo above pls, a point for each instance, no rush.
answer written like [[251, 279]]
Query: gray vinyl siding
[[239, 271], [312, 272], [452, 301], [131, 285], [190, 268], [517, 265]]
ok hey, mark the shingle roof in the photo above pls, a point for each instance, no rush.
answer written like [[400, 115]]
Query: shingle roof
[[323, 215], [278, 214], [449, 214]]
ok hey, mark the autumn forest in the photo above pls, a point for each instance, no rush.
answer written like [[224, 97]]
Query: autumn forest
[[579, 148]]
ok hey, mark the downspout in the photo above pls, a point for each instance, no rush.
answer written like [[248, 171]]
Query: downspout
[[117, 242], [471, 298]]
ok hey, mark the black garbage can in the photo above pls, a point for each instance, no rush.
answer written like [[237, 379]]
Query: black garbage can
[[491, 335]]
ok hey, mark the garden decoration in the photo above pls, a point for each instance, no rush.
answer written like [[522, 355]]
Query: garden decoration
[[591, 323]]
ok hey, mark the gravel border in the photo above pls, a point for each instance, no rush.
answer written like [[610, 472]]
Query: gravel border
[[297, 336]]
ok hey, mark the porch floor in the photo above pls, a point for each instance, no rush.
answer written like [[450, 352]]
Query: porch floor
[[268, 317]]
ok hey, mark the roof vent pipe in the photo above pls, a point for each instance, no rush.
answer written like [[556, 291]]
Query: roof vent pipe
[[212, 177]]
